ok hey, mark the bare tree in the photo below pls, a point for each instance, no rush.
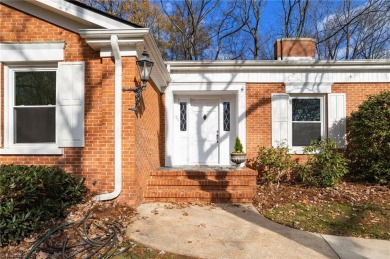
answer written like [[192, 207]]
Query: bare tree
[[218, 29], [250, 13], [295, 13], [355, 31], [204, 28]]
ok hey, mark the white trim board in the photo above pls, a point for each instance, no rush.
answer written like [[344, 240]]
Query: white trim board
[[238, 90], [276, 71], [282, 76], [66, 15], [31, 52]]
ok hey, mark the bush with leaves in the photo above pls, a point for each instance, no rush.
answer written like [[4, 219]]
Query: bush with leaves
[[32, 196], [275, 164], [325, 164], [369, 140]]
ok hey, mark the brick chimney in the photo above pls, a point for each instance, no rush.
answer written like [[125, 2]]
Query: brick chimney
[[295, 49]]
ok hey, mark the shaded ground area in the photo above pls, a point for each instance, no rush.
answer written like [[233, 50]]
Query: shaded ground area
[[222, 231], [351, 209], [97, 230]]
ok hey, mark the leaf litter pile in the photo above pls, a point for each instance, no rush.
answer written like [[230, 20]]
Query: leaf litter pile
[[91, 230], [350, 209]]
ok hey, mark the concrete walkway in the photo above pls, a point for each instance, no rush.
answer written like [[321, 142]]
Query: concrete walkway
[[227, 231]]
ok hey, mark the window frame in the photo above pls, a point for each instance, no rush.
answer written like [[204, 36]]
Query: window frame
[[323, 121], [10, 147]]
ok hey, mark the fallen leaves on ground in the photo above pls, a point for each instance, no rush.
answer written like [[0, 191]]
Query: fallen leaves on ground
[[351, 209], [102, 214]]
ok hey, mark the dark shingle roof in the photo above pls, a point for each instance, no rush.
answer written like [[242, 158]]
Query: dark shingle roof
[[103, 13]]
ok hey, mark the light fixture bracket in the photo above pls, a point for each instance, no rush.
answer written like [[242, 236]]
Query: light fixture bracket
[[137, 95], [145, 66]]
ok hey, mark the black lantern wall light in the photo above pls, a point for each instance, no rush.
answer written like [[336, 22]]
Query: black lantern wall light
[[145, 66]]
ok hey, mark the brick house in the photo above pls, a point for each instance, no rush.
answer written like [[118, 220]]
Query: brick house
[[63, 67]]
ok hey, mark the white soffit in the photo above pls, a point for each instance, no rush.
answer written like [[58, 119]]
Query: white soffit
[[131, 43], [22, 52], [67, 15], [308, 87]]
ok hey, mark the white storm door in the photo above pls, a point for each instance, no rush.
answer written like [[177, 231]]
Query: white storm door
[[204, 118]]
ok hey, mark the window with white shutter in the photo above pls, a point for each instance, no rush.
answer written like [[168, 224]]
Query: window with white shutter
[[299, 119], [44, 108]]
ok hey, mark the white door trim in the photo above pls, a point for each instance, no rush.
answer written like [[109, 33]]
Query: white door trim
[[235, 93]]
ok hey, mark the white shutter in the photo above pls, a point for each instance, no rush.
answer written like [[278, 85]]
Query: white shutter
[[337, 119], [280, 107], [70, 104]]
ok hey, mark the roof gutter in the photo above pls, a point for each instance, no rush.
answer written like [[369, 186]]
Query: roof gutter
[[118, 125]]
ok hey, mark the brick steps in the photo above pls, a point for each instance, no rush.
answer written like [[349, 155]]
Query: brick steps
[[201, 185]]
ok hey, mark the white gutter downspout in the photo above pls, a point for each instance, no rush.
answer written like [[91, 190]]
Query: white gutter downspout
[[118, 125]]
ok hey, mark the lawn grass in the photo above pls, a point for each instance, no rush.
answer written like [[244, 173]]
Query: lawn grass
[[361, 220]]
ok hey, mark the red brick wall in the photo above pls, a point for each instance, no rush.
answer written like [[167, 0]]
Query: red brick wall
[[258, 123], [142, 139], [96, 160], [258, 115], [356, 93]]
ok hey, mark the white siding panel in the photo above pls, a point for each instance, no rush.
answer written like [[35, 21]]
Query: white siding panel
[[280, 76]]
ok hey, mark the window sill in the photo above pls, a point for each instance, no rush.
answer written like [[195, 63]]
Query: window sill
[[296, 151], [32, 151]]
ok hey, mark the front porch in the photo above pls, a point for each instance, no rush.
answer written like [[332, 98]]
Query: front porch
[[201, 184]]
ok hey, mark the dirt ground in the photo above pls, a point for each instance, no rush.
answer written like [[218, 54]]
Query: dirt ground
[[98, 230], [98, 222]]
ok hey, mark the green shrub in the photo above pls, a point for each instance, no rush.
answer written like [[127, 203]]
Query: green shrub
[[369, 140], [325, 165], [238, 146], [274, 164], [32, 196]]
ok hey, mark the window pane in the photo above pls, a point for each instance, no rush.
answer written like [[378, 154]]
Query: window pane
[[226, 116], [35, 125], [35, 88], [306, 109], [183, 116], [304, 133]]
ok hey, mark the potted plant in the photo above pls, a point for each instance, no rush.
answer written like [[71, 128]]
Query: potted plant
[[238, 156]]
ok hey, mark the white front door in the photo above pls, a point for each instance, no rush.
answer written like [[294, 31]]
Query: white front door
[[203, 132]]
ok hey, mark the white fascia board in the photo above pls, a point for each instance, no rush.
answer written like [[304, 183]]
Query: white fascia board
[[66, 15], [131, 42], [283, 76], [31, 52], [269, 65], [80, 14], [163, 75], [64, 20]]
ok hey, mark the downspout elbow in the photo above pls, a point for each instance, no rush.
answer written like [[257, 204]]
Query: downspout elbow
[[118, 125]]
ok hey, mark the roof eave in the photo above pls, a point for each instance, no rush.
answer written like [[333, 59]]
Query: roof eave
[[253, 65], [138, 38]]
